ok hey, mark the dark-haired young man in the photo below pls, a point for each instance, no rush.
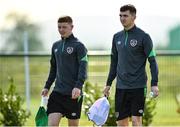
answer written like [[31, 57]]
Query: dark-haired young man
[[69, 70], [131, 48]]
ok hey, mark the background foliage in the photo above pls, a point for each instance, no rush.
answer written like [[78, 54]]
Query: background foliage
[[11, 111]]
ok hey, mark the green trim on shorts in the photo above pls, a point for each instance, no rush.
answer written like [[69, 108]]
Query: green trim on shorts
[[79, 98], [145, 91]]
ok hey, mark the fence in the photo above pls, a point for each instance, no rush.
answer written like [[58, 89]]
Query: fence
[[12, 65]]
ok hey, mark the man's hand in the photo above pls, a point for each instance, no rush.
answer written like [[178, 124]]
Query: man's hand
[[155, 91], [44, 92], [76, 93], [106, 91]]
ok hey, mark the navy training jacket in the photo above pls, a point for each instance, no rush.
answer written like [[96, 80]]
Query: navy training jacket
[[130, 50], [68, 65]]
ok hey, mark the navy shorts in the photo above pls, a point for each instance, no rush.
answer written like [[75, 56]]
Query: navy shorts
[[129, 102], [64, 104]]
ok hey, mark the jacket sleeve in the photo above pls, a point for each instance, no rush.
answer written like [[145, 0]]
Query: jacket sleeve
[[113, 65], [52, 72], [150, 54], [82, 70]]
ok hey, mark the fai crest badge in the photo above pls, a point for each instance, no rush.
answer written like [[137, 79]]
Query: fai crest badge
[[133, 42], [69, 50]]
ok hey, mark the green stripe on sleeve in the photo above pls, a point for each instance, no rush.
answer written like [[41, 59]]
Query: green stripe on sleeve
[[85, 58], [152, 53]]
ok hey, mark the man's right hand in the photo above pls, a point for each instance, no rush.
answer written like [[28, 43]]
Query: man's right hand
[[44, 92], [106, 91]]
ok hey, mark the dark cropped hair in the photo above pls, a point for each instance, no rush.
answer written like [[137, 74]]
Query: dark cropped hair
[[128, 7], [66, 19]]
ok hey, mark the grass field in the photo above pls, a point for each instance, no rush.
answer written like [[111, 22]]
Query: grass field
[[97, 72]]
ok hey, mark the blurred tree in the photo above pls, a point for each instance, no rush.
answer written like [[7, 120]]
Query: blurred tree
[[14, 35]]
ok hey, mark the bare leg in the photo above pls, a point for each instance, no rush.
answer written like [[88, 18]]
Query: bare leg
[[73, 122], [123, 122], [54, 119], [136, 120]]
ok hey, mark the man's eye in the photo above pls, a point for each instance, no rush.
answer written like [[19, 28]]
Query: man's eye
[[62, 27], [123, 15]]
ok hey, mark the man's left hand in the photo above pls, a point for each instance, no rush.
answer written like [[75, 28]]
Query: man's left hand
[[76, 93], [155, 90]]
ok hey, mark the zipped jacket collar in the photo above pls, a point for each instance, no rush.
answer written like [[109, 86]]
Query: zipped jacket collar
[[131, 30], [71, 37]]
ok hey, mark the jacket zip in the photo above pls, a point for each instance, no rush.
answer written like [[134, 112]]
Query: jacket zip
[[126, 37], [63, 46], [62, 50]]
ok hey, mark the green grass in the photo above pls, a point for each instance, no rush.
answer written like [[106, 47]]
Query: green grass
[[97, 73]]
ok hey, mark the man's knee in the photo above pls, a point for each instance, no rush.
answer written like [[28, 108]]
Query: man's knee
[[53, 123], [73, 122], [54, 119], [136, 120], [123, 122]]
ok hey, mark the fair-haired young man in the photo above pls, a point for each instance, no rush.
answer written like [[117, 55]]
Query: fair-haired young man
[[69, 70]]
